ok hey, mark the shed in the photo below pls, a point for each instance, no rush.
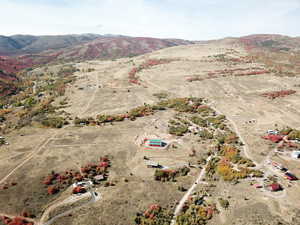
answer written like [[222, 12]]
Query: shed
[[275, 187]]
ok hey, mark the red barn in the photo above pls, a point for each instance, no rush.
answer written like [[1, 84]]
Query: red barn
[[275, 187]]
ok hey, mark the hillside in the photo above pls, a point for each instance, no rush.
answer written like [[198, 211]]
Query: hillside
[[272, 42], [174, 136], [20, 52], [29, 44], [281, 53]]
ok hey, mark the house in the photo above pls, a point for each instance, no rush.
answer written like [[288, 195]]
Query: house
[[275, 187], [156, 143], [99, 178], [295, 154], [290, 176]]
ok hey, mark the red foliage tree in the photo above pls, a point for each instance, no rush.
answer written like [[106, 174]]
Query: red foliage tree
[[52, 190], [79, 189]]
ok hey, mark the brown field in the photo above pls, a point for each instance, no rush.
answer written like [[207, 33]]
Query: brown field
[[107, 90]]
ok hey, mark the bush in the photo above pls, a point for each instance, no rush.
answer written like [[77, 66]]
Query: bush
[[2, 141], [154, 215], [54, 122], [160, 95], [205, 134], [29, 102], [295, 134], [78, 121], [178, 130], [199, 121], [215, 121], [141, 111], [90, 70], [224, 203], [196, 212], [204, 110], [286, 131], [178, 104]]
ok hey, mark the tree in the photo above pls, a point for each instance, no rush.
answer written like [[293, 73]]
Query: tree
[[224, 203], [52, 190]]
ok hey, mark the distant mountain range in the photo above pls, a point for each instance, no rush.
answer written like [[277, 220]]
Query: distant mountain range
[[27, 44]]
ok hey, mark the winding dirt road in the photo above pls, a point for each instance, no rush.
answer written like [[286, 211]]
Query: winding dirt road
[[94, 197], [189, 192]]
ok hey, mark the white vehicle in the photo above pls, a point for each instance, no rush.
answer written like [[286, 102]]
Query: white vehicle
[[272, 132], [83, 184]]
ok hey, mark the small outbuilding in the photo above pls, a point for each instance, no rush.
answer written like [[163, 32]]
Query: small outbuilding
[[275, 187], [99, 177]]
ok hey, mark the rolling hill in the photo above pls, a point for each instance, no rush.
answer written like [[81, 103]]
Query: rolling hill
[[19, 52]]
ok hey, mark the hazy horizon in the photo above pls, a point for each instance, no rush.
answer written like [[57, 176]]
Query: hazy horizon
[[10, 35], [192, 20]]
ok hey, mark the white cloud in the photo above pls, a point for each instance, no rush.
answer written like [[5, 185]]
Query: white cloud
[[189, 19]]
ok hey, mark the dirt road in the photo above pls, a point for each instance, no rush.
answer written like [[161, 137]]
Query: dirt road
[[189, 192]]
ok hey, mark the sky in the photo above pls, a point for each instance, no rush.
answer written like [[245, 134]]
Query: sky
[[186, 19]]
